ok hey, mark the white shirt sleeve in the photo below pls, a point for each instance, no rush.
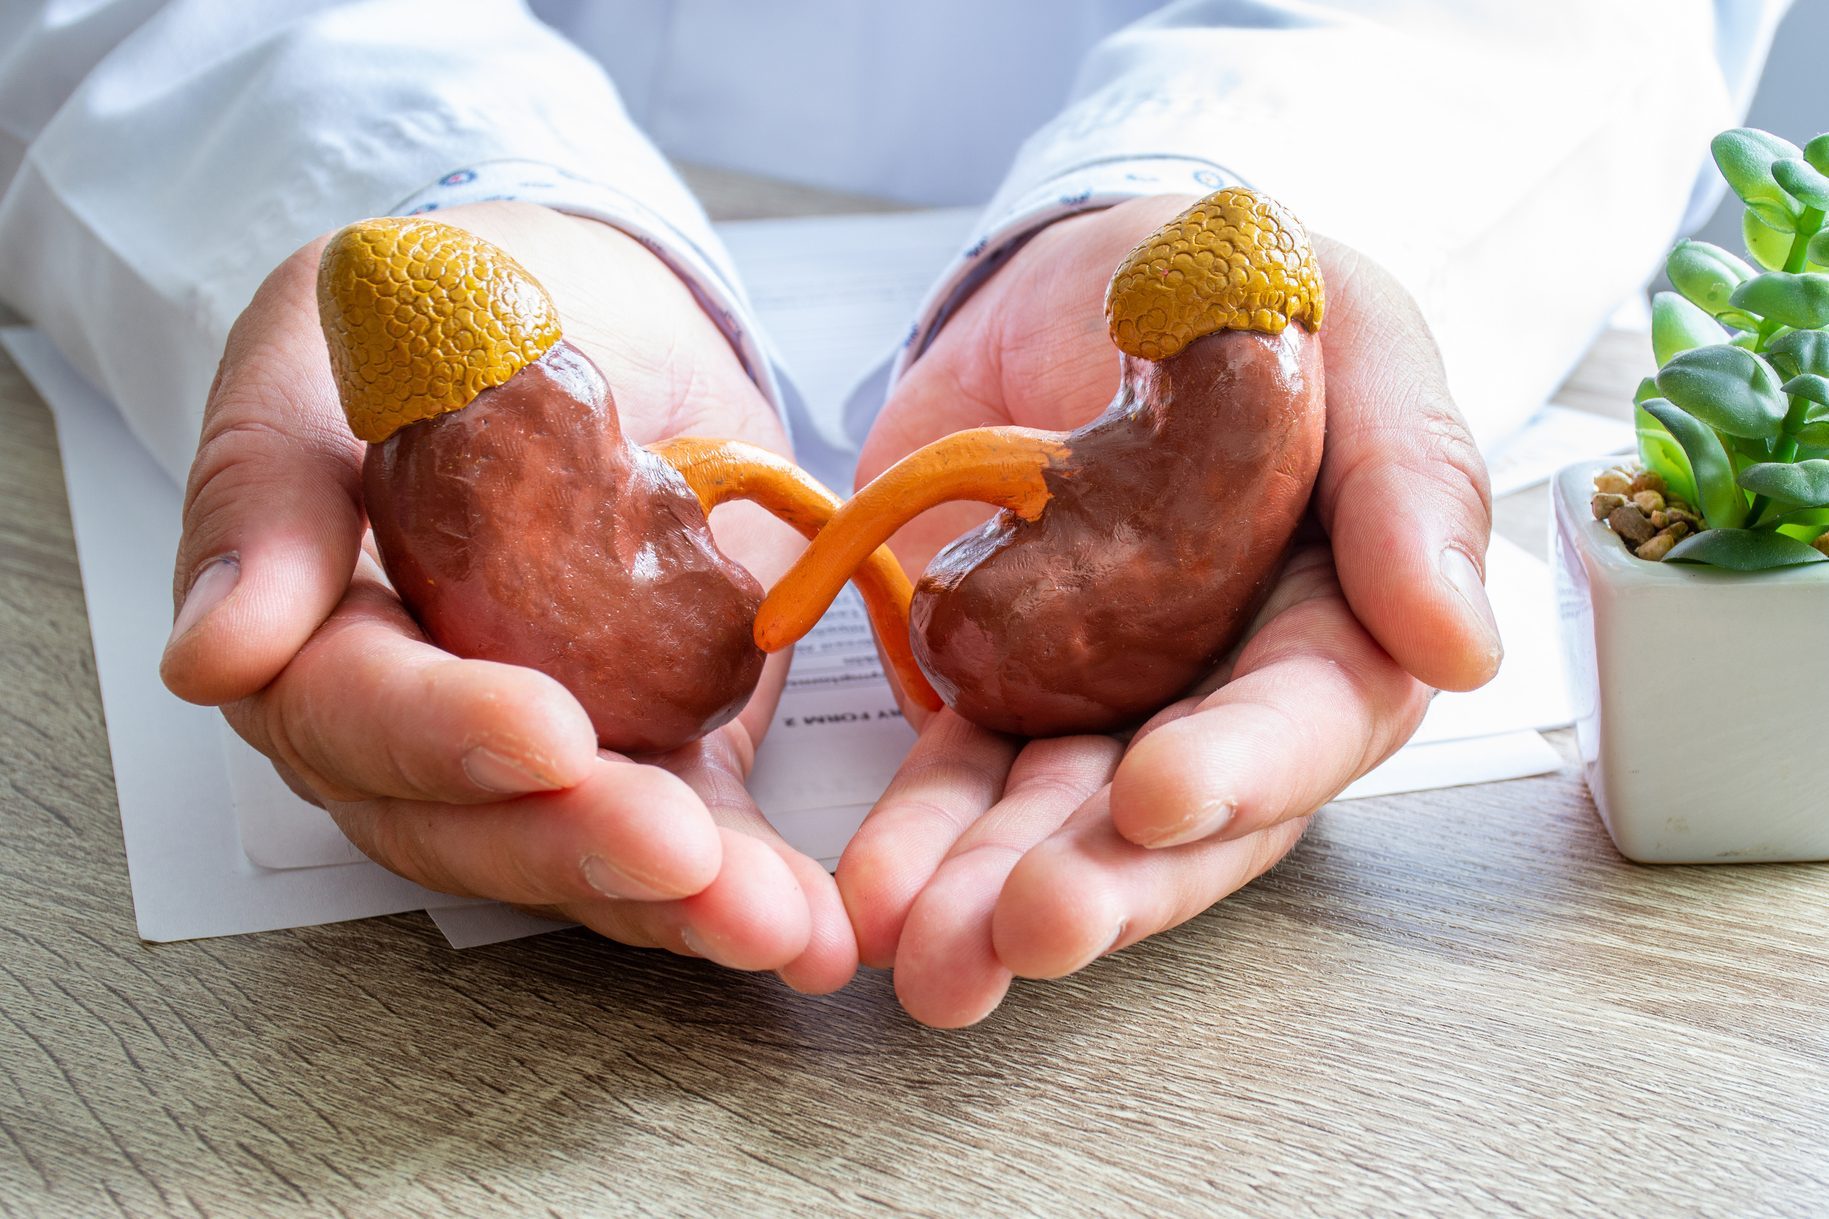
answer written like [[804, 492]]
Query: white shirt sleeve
[[160, 159], [1520, 167]]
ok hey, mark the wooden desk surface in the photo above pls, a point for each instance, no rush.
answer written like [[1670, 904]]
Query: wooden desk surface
[[1445, 1003]]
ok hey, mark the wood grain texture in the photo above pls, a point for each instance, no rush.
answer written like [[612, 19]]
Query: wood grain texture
[[1449, 1003]]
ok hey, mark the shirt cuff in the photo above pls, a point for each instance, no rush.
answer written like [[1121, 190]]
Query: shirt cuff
[[705, 270], [1009, 223]]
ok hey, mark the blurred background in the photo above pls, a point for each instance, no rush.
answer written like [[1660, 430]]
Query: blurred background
[[1791, 102]]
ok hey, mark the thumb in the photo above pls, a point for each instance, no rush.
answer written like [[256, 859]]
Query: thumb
[[1403, 491], [272, 508]]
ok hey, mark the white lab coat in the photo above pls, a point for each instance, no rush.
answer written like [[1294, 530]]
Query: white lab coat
[[1520, 167]]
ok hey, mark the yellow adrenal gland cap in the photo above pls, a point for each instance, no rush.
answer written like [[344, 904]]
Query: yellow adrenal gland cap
[[421, 317], [1237, 260]]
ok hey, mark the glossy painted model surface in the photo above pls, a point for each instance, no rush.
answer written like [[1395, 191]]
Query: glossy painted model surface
[[527, 529], [1130, 553]]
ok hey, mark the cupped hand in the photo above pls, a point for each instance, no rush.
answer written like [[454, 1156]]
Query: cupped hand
[[466, 776], [991, 858]]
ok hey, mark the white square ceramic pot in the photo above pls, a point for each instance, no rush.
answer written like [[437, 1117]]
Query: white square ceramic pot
[[1701, 696]]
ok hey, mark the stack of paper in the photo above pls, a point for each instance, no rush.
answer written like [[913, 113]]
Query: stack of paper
[[218, 846]]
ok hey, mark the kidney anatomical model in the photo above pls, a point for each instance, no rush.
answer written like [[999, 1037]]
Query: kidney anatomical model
[[1131, 553], [516, 520]]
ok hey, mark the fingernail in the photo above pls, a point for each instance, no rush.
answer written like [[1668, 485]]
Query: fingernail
[[1206, 821], [497, 772], [215, 580], [1117, 937], [1464, 576], [692, 944], [605, 878]]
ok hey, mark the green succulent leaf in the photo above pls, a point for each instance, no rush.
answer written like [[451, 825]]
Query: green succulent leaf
[[1723, 504], [1813, 519], [1800, 351], [1727, 388], [1746, 452], [1774, 216], [1706, 274], [1801, 484], [1814, 435], [1802, 182], [1769, 247], [1661, 453], [1647, 390], [1744, 550], [1800, 300], [1813, 387], [1678, 326], [1818, 249], [1816, 152], [1745, 156]]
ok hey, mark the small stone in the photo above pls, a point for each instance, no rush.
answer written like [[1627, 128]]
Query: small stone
[[1822, 543], [1605, 502], [1649, 502], [1678, 530], [1648, 480], [1660, 518], [1656, 548], [1631, 524], [1612, 482]]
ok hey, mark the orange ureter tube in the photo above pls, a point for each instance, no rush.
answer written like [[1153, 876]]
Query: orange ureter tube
[[721, 470], [995, 465]]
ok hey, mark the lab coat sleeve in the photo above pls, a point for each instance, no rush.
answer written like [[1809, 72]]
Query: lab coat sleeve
[[1521, 168], [162, 158]]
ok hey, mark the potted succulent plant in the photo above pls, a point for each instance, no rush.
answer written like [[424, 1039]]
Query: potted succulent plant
[[1694, 585]]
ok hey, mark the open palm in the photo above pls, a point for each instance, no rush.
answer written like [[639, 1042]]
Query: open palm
[[467, 776], [991, 858]]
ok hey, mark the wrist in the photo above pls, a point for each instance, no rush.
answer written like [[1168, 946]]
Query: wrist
[[1016, 219], [667, 225]]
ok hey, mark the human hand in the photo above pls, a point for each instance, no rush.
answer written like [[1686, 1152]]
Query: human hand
[[990, 858], [467, 776]]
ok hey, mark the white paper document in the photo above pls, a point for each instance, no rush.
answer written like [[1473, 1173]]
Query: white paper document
[[835, 739], [1482, 759], [1529, 691], [217, 845], [489, 923], [190, 876]]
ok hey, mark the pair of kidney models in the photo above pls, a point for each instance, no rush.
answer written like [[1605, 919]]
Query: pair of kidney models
[[519, 524]]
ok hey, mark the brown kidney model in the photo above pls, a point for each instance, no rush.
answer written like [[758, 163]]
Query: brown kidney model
[[1132, 552], [516, 520]]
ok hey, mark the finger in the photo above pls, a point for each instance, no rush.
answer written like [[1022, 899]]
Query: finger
[[272, 509], [810, 945], [754, 916], [1313, 703], [367, 708], [947, 972], [829, 960], [1403, 491], [626, 830], [1087, 892], [751, 917], [955, 772]]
